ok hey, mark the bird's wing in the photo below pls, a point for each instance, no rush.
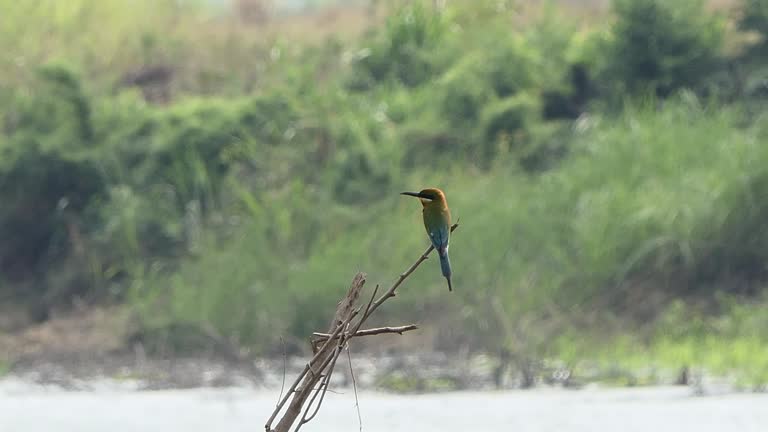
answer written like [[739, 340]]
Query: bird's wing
[[439, 237]]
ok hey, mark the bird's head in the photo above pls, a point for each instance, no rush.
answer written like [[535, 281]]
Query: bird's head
[[428, 196]]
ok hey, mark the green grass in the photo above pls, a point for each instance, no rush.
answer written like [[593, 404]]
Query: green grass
[[399, 383], [727, 341]]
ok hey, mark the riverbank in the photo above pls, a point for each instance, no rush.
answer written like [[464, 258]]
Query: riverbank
[[426, 373], [85, 349]]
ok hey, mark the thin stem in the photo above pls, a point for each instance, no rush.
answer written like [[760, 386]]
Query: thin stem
[[370, 332], [391, 291], [285, 362], [354, 387]]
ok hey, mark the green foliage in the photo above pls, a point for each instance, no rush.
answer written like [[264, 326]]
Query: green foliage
[[47, 199], [660, 46], [505, 123], [727, 343], [57, 113], [464, 92], [401, 383], [511, 67], [245, 200], [403, 52], [755, 18], [651, 218]]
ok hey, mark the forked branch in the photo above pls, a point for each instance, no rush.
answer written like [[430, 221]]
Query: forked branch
[[307, 392]]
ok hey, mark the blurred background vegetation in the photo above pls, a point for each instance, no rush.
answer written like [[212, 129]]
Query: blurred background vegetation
[[230, 166]]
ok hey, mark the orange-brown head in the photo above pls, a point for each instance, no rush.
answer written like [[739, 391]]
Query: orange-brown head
[[429, 196]]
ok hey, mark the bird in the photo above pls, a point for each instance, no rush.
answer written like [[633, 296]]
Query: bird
[[437, 221]]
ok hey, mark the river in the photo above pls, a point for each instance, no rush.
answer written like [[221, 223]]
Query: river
[[25, 408]]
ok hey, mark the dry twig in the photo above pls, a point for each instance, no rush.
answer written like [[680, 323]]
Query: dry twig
[[328, 346], [370, 332]]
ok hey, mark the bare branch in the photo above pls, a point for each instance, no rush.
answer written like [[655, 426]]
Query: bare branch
[[391, 291], [370, 332], [368, 306], [320, 391], [320, 368], [323, 351]]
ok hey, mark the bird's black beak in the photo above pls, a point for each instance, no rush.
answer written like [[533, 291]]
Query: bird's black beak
[[415, 194]]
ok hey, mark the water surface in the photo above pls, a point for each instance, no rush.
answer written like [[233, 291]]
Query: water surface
[[35, 409]]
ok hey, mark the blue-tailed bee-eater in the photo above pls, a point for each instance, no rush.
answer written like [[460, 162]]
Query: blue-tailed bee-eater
[[437, 221]]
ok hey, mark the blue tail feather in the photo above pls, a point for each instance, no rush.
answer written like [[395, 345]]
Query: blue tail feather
[[445, 266]]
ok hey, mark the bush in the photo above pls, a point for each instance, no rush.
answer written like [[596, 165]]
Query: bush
[[435, 142], [510, 69], [505, 124], [45, 200], [738, 246], [49, 179], [55, 116], [660, 46], [464, 92], [404, 50], [755, 18], [755, 71]]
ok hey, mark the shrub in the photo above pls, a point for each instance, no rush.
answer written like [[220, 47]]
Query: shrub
[[511, 67], [755, 18], [404, 50], [505, 124], [56, 115], [48, 178], [660, 46], [464, 92], [45, 197], [434, 142]]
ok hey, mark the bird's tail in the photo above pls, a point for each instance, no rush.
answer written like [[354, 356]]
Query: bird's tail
[[445, 266]]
